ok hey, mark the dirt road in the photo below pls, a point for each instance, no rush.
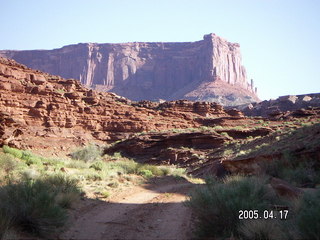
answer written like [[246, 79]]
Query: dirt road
[[150, 211]]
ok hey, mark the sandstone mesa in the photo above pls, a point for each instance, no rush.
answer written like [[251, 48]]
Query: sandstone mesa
[[205, 70]]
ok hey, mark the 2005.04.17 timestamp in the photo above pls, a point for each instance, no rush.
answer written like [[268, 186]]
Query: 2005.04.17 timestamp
[[266, 214]]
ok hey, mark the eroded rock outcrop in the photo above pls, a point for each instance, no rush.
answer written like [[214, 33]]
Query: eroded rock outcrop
[[39, 110], [156, 146], [282, 107], [206, 70]]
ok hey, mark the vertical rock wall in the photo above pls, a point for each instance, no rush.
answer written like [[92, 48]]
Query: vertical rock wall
[[143, 70]]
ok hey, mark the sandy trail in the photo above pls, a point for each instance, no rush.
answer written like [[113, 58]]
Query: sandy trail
[[153, 211]]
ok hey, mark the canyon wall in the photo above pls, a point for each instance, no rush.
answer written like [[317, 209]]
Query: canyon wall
[[42, 111], [150, 71]]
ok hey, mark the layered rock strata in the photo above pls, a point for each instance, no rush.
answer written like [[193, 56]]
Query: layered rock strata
[[304, 105], [39, 110], [151, 70]]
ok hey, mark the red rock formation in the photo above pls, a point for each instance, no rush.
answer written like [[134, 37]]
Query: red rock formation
[[171, 71], [38, 110], [280, 107], [155, 145]]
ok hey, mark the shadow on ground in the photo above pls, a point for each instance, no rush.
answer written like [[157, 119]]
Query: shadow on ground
[[154, 210]]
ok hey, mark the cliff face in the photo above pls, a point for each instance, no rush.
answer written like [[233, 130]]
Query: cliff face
[[147, 70], [42, 111]]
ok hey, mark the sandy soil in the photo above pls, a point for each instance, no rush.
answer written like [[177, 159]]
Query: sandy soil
[[149, 211]]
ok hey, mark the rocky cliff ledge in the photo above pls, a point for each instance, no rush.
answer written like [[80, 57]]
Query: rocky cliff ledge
[[207, 70], [42, 111], [304, 104]]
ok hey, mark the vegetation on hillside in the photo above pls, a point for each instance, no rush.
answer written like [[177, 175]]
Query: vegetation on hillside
[[35, 192], [217, 207], [293, 148]]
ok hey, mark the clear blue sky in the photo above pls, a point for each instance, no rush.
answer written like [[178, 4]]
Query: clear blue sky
[[279, 39]]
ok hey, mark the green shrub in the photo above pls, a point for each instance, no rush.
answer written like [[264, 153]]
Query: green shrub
[[87, 154], [113, 184], [228, 152], [13, 151], [98, 165], [117, 155], [300, 176], [165, 170], [6, 223], [270, 229], [217, 204], [37, 206], [178, 172], [93, 176], [126, 166], [31, 158], [31, 207], [54, 162], [105, 194], [308, 216], [154, 170], [7, 163], [145, 173], [61, 183], [27, 156], [224, 134], [300, 172], [67, 199], [78, 164], [29, 174], [131, 167]]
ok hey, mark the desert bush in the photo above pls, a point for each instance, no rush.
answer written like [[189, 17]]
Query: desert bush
[[60, 182], [31, 159], [37, 205], [308, 216], [154, 170], [224, 134], [165, 170], [28, 157], [262, 229], [29, 174], [93, 176], [113, 184], [67, 199], [146, 170], [31, 207], [117, 155], [13, 151], [300, 176], [217, 204], [145, 173], [124, 166], [105, 194], [227, 152], [98, 165], [88, 153], [127, 166], [131, 167], [178, 172], [78, 164], [6, 223], [300, 172], [7, 163], [56, 162]]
